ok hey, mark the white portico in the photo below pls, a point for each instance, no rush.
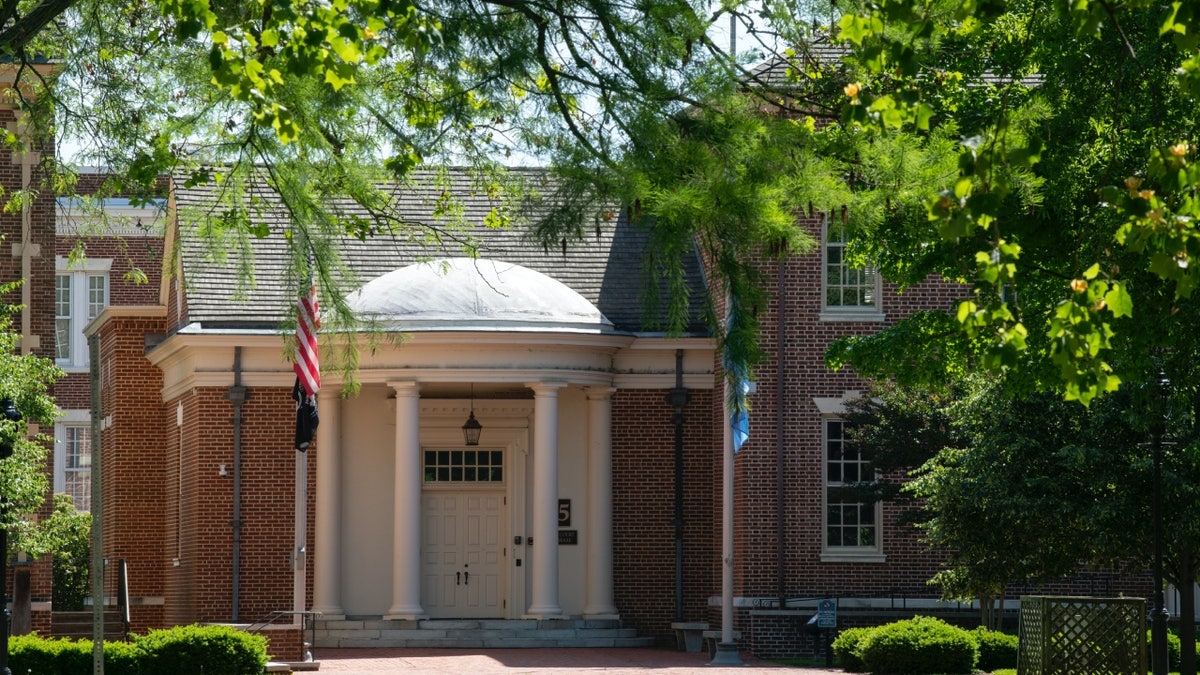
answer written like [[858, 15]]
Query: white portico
[[410, 522]]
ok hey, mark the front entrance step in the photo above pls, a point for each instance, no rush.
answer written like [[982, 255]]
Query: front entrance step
[[476, 633]]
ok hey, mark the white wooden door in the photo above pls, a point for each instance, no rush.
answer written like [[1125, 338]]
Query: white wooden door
[[462, 554]]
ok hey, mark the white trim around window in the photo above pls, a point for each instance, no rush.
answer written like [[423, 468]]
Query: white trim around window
[[847, 293], [73, 457], [842, 521], [80, 293]]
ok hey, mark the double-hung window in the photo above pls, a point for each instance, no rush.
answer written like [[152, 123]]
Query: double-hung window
[[851, 293], [73, 459], [79, 295], [852, 529]]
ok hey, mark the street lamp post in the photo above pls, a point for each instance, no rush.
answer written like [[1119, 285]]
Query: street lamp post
[[1158, 614], [9, 410]]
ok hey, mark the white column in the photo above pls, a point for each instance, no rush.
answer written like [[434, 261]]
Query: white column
[[544, 601], [406, 528], [599, 602], [327, 577]]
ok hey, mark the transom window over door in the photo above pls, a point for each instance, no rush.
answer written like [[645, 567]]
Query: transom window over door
[[464, 466]]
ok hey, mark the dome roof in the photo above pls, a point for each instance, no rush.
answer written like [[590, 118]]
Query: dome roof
[[474, 294]]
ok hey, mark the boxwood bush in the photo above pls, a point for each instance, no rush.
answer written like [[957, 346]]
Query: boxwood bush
[[1174, 649], [845, 649], [996, 650], [918, 646], [184, 650], [202, 650]]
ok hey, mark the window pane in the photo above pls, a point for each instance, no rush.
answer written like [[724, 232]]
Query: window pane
[[835, 536], [97, 294], [849, 522], [62, 314], [845, 286], [78, 464], [62, 338]]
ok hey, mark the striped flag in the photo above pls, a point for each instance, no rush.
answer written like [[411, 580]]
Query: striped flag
[[307, 367]]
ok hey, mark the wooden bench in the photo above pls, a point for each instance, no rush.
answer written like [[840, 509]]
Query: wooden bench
[[688, 635], [712, 637]]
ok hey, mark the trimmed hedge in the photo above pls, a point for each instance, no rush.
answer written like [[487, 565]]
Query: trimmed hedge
[[845, 649], [183, 650], [996, 650], [203, 650], [917, 646]]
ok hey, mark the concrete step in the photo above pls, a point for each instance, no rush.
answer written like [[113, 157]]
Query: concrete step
[[78, 625], [364, 632]]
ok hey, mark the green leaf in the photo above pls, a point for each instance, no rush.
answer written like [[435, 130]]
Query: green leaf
[[1118, 300]]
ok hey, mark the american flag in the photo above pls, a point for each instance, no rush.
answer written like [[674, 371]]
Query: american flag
[[307, 367]]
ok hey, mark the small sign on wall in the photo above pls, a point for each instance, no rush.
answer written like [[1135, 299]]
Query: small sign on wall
[[827, 613], [568, 537], [564, 513]]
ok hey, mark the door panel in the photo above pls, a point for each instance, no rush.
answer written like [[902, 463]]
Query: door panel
[[462, 555]]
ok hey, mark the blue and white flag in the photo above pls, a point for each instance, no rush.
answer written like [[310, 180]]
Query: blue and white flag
[[739, 373]]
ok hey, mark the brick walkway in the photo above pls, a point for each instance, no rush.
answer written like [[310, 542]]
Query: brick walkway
[[610, 661]]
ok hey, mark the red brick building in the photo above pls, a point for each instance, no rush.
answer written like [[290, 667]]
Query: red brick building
[[566, 514], [565, 511]]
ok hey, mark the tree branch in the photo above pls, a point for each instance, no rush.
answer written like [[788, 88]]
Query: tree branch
[[14, 38]]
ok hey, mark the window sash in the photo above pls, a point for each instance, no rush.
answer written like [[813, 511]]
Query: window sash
[[849, 523], [847, 287], [77, 465], [79, 297]]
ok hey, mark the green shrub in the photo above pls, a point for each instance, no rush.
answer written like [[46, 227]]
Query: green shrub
[[845, 648], [996, 650], [50, 656], [1174, 650], [918, 646], [202, 650], [186, 650], [68, 534], [32, 654], [120, 658]]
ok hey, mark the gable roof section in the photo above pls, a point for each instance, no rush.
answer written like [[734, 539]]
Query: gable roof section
[[605, 268]]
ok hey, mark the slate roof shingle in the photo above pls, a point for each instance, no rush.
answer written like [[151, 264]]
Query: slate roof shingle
[[605, 267]]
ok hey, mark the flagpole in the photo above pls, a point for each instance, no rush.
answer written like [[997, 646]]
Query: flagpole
[[299, 561], [308, 382], [727, 653]]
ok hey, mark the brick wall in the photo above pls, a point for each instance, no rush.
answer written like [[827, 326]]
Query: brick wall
[[644, 510], [72, 391], [40, 284], [199, 529], [135, 450], [786, 431]]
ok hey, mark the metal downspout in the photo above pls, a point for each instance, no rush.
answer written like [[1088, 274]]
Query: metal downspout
[[237, 396], [678, 397], [780, 426]]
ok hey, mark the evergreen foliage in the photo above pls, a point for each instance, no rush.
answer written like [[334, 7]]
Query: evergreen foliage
[[846, 648], [196, 650], [919, 645], [996, 649], [193, 649]]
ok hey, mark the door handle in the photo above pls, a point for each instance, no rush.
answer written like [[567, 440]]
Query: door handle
[[466, 578], [457, 579]]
